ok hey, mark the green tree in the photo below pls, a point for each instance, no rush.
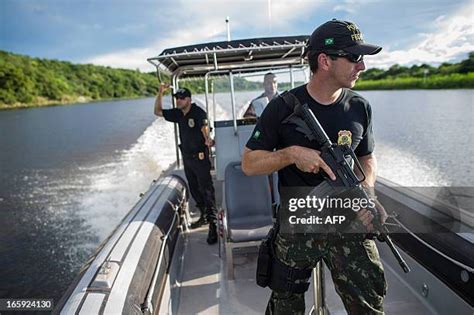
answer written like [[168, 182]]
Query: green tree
[[468, 64]]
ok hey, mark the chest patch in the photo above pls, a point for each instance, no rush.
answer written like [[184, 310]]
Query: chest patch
[[344, 137], [191, 123]]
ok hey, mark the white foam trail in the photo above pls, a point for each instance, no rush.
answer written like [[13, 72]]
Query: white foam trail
[[221, 113], [115, 188], [223, 103]]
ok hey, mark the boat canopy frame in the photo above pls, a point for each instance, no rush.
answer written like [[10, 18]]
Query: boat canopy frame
[[229, 58], [197, 60]]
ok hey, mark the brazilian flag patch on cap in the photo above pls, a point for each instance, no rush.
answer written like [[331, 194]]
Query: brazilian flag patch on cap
[[329, 41]]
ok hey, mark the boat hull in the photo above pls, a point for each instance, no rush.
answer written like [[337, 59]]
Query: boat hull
[[127, 273]]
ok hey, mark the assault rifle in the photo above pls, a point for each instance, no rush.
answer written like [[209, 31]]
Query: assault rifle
[[335, 157]]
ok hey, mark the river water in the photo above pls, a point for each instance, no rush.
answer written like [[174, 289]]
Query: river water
[[69, 174]]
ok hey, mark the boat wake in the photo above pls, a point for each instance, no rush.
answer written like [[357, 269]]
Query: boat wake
[[115, 187]]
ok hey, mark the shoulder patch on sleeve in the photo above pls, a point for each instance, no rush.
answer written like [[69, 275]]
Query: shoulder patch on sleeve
[[256, 135]]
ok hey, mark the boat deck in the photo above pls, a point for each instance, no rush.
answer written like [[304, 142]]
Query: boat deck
[[204, 288]]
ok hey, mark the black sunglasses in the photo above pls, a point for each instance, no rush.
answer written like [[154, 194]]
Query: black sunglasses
[[351, 57], [179, 97]]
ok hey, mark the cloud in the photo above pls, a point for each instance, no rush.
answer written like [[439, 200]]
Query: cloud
[[128, 59], [351, 6], [209, 25], [187, 23], [135, 58], [452, 38]]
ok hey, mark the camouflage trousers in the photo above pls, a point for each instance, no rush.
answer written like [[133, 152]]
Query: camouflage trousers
[[355, 268]]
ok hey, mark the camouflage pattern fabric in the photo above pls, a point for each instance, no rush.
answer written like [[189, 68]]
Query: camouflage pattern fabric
[[355, 267]]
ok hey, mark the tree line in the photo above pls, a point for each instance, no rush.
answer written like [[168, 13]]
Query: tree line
[[36, 81], [420, 71], [27, 81], [445, 76]]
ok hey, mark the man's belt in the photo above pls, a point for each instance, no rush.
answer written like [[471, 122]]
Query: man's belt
[[197, 155]]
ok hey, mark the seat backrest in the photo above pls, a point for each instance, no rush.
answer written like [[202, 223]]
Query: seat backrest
[[246, 196], [230, 145]]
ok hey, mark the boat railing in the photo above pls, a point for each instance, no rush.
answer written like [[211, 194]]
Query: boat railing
[[248, 72], [148, 305]]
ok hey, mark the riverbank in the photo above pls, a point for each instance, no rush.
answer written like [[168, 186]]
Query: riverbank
[[27, 82], [42, 102], [435, 82], [446, 83]]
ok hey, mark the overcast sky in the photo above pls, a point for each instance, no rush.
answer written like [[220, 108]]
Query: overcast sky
[[124, 33]]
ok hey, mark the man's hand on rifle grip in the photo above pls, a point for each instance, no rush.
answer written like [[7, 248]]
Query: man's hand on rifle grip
[[309, 160]]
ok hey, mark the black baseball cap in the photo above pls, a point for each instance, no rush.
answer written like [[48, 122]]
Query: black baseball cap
[[182, 92], [340, 35]]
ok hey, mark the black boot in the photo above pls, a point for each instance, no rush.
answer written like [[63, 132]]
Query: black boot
[[202, 221], [212, 234]]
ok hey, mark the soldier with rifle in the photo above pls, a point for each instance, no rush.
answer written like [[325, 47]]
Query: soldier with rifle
[[282, 142]]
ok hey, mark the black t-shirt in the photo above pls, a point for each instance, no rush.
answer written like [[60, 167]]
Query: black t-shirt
[[190, 135], [351, 112]]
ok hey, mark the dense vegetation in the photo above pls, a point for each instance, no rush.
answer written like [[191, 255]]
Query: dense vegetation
[[26, 81], [446, 76], [437, 81], [34, 81]]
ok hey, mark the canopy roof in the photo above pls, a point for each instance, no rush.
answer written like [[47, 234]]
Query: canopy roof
[[256, 54]]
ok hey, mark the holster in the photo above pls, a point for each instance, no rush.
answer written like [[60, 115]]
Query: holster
[[264, 261], [275, 274]]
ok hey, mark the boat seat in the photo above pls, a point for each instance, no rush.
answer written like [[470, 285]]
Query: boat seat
[[244, 231], [230, 144], [247, 211]]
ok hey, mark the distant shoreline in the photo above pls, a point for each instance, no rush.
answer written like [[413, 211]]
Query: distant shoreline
[[435, 82], [67, 103], [34, 82], [89, 101], [79, 101]]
